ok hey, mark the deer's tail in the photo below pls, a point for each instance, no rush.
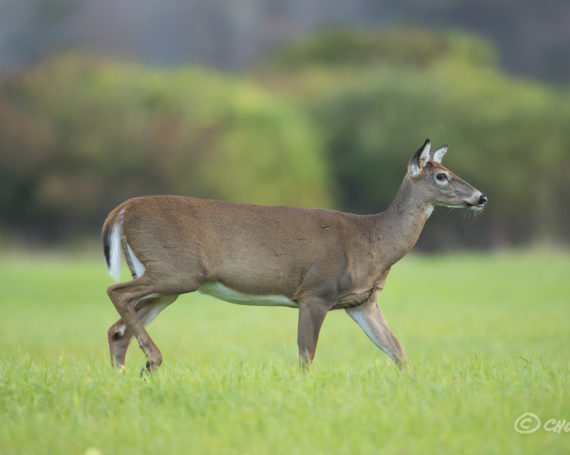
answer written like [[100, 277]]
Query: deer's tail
[[111, 236]]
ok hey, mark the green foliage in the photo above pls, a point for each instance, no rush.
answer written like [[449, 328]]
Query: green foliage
[[362, 48], [79, 135], [507, 137], [481, 355]]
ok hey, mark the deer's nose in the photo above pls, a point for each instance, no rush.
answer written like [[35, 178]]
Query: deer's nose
[[483, 200]]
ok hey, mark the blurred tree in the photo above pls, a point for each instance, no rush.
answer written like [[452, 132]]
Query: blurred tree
[[378, 95], [79, 135], [346, 47]]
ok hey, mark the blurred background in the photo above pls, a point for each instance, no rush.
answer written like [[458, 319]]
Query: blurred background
[[313, 103]]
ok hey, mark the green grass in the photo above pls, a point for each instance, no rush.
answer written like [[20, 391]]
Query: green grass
[[487, 337]]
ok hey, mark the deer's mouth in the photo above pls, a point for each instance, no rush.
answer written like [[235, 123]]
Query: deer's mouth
[[477, 202], [473, 207], [481, 202]]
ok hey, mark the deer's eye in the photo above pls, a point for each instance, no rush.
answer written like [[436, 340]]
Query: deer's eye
[[441, 177]]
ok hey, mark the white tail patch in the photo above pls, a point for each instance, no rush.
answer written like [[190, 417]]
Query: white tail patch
[[115, 251], [115, 239], [135, 264]]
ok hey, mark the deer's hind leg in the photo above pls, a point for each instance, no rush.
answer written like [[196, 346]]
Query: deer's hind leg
[[120, 336], [126, 298]]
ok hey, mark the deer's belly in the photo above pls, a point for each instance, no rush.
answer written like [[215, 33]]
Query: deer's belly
[[218, 290]]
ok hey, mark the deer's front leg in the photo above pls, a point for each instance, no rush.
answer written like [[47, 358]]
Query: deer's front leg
[[312, 312], [369, 317]]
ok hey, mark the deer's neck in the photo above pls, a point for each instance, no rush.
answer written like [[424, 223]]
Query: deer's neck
[[398, 228]]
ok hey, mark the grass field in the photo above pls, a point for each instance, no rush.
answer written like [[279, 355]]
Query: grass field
[[487, 336]]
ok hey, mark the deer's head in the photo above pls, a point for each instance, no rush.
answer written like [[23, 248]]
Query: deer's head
[[437, 184]]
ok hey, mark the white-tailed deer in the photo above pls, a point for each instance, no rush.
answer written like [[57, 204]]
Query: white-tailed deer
[[313, 260]]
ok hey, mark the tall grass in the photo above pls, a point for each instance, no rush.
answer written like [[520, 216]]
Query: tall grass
[[487, 337]]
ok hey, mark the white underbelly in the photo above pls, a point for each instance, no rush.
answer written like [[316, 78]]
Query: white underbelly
[[218, 290]]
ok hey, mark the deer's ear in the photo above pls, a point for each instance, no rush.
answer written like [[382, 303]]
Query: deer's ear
[[439, 153], [420, 159]]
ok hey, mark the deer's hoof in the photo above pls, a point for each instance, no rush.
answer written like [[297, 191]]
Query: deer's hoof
[[146, 370]]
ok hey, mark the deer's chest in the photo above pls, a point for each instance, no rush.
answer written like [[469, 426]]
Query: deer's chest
[[362, 289]]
